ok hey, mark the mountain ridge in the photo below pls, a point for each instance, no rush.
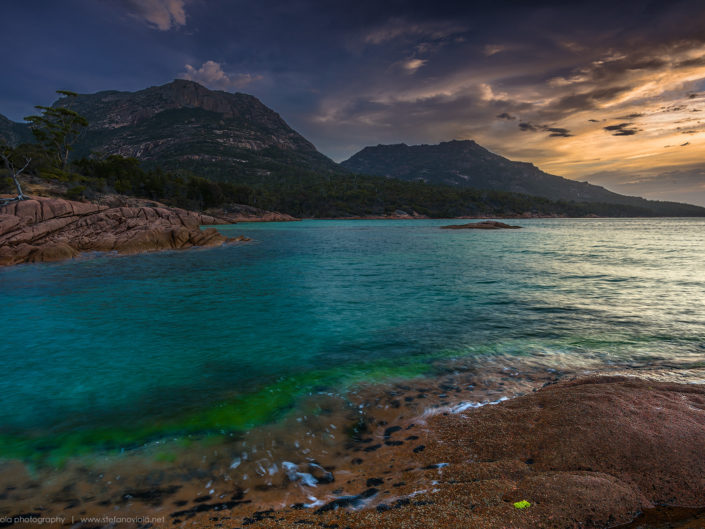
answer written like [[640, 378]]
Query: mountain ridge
[[184, 128], [184, 125], [465, 163]]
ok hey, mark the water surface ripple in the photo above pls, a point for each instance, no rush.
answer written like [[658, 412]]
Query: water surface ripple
[[115, 342]]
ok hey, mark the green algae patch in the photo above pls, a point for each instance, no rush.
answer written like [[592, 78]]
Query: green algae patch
[[234, 414], [165, 457], [523, 504]]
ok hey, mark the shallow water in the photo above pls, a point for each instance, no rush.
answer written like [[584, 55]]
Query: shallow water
[[124, 342], [107, 353]]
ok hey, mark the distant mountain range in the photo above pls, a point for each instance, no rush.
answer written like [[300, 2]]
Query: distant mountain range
[[467, 164], [183, 126]]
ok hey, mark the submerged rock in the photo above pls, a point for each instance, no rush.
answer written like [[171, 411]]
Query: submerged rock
[[52, 229], [484, 225]]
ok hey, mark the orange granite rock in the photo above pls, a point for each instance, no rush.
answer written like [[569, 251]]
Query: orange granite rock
[[52, 229], [593, 452]]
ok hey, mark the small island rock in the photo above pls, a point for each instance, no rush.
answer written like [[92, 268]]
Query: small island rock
[[484, 225]]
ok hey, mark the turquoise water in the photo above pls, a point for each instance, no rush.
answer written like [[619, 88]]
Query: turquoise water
[[109, 351]]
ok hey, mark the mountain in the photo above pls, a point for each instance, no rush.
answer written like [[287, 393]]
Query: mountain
[[245, 153], [467, 164], [12, 133], [183, 125]]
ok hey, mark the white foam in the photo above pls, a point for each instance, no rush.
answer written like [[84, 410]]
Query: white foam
[[307, 479], [315, 502], [292, 472], [463, 406]]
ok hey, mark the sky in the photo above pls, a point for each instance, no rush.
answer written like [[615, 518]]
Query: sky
[[608, 92]]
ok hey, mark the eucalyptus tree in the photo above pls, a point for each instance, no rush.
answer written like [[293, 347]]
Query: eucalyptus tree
[[57, 128]]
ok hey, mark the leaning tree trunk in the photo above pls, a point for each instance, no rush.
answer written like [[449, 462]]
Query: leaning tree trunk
[[14, 174], [20, 195]]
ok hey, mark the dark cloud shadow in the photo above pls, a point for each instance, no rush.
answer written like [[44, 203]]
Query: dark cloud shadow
[[621, 129]]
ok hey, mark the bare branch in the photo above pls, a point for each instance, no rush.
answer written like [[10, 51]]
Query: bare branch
[[14, 174], [28, 160]]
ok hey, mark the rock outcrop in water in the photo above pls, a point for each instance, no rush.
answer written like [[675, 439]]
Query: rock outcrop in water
[[52, 229], [484, 225]]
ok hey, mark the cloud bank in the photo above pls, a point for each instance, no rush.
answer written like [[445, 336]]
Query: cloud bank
[[159, 14], [211, 74], [578, 88]]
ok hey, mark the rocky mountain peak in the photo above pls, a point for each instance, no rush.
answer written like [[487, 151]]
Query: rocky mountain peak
[[184, 125]]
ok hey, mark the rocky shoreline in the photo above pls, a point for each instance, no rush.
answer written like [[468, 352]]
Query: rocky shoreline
[[592, 451], [53, 229]]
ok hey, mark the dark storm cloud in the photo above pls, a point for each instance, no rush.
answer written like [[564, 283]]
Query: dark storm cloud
[[559, 132], [621, 129], [644, 63], [608, 70], [625, 132], [524, 127], [617, 127], [698, 61], [505, 115], [555, 132], [587, 100]]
